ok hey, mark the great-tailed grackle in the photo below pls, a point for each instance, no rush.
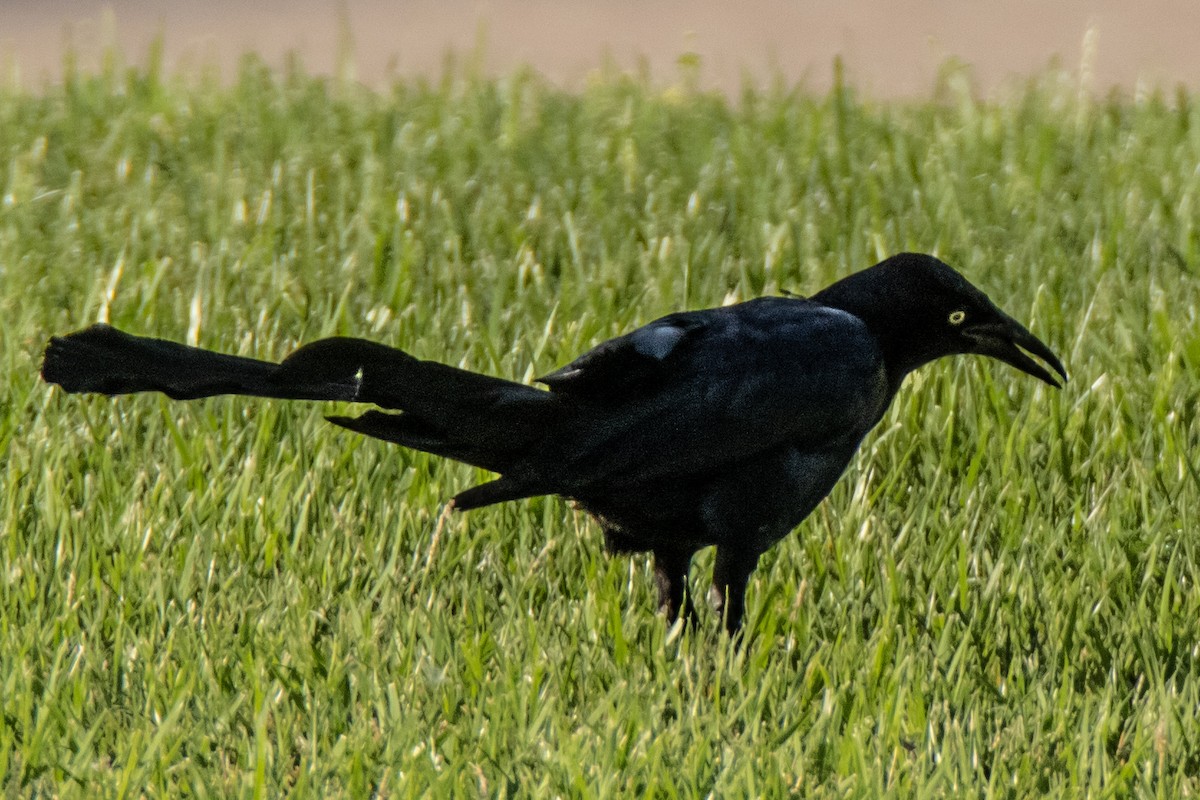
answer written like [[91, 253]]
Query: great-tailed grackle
[[719, 427]]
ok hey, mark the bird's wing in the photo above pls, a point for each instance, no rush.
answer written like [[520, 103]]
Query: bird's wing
[[619, 368], [693, 392]]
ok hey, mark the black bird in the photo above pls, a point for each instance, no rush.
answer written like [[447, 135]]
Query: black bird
[[720, 427]]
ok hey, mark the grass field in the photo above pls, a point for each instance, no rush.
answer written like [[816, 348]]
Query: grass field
[[233, 598]]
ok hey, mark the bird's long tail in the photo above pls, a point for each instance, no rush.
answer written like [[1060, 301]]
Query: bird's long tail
[[104, 360], [477, 419]]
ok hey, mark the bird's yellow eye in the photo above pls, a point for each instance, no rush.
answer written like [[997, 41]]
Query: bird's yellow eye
[[957, 317]]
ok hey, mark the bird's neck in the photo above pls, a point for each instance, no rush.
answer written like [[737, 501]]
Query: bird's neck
[[881, 304]]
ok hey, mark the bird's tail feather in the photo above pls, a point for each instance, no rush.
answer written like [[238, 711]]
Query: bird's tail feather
[[412, 431], [104, 360], [473, 418]]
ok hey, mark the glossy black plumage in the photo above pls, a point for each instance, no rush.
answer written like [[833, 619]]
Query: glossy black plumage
[[721, 427]]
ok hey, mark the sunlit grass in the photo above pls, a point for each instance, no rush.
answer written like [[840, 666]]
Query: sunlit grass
[[231, 597]]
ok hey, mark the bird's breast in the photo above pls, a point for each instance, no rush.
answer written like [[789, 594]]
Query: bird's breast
[[766, 497]]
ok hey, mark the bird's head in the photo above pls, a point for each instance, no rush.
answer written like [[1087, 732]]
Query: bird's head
[[920, 309]]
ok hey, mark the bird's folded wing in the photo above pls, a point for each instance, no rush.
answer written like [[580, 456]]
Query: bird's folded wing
[[628, 366], [694, 392]]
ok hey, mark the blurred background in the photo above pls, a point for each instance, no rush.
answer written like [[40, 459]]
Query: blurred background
[[889, 50]]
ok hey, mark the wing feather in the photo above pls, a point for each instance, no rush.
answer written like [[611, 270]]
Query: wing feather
[[627, 366], [699, 391]]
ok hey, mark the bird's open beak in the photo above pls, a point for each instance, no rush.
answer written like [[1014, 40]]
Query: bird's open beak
[[1008, 341]]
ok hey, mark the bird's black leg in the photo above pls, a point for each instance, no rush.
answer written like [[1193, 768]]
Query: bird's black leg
[[671, 577], [731, 572]]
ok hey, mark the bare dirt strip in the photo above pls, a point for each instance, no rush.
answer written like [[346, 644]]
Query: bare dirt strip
[[890, 49]]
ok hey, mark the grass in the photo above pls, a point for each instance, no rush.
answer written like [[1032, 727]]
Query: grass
[[233, 598]]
